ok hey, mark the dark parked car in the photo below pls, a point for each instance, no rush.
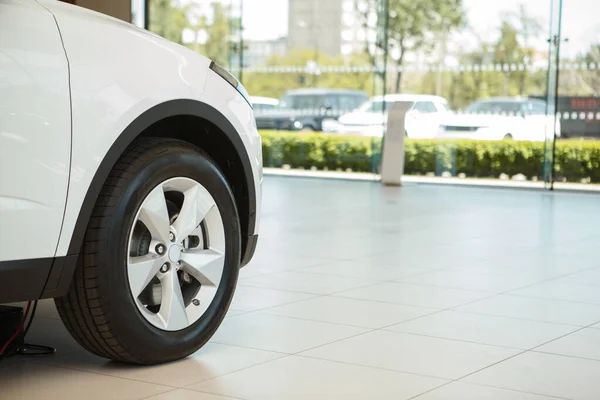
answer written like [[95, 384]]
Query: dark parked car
[[305, 109]]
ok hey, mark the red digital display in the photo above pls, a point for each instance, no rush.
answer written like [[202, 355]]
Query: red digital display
[[585, 104]]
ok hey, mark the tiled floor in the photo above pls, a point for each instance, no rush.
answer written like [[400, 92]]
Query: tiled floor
[[364, 292]]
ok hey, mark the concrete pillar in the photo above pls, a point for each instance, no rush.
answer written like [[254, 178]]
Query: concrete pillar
[[392, 164]]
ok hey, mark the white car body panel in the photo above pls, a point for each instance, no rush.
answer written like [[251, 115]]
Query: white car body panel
[[35, 131], [369, 123], [497, 118], [496, 127], [257, 100], [110, 90], [219, 94]]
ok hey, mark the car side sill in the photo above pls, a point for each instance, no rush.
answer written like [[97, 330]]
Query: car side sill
[[22, 280]]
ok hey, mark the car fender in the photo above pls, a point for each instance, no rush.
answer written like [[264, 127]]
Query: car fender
[[112, 102]]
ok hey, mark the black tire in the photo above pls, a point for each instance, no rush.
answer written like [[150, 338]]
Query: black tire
[[99, 310]]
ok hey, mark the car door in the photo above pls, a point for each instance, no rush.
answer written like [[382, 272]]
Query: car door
[[420, 122], [536, 121], [35, 131]]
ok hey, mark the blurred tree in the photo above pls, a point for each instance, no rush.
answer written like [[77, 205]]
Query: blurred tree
[[168, 19], [217, 46], [412, 26], [525, 27], [212, 31], [275, 84], [583, 81], [591, 77], [508, 51]]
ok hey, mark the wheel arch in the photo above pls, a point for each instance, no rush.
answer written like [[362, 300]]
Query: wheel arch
[[189, 120]]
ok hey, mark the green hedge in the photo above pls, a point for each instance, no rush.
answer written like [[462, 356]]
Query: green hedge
[[575, 159]]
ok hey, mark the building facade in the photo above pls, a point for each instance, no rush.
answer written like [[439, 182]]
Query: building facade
[[330, 27]]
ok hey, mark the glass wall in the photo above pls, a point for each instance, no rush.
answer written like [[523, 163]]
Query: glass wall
[[578, 94], [489, 95]]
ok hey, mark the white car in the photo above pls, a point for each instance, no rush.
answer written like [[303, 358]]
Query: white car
[[130, 181], [422, 121], [500, 118], [261, 104]]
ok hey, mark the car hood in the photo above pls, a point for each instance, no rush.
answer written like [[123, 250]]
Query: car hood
[[362, 118], [276, 114], [104, 30], [478, 120]]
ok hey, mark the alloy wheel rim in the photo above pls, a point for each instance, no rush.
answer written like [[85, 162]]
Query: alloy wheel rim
[[176, 254]]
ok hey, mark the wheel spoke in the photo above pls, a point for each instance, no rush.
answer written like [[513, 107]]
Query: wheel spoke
[[197, 204], [205, 265], [172, 309], [141, 271], [155, 216], [197, 216]]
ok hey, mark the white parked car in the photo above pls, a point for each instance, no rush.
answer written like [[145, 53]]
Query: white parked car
[[261, 104], [130, 181], [500, 118], [422, 121]]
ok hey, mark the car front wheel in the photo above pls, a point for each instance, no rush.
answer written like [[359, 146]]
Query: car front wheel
[[160, 258]]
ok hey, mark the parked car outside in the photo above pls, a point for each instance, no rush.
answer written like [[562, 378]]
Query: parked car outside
[[261, 104], [422, 121], [130, 172], [500, 118], [305, 109]]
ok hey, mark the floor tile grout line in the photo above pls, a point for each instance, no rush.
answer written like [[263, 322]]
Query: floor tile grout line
[[486, 367], [335, 341], [181, 388], [217, 394], [326, 322], [392, 280], [216, 341], [505, 292], [315, 294], [557, 277], [453, 309], [554, 299], [515, 390], [386, 327], [516, 355], [370, 367], [452, 339], [509, 317], [339, 294], [565, 355], [444, 287], [284, 290], [159, 394], [430, 390], [103, 374], [430, 270], [563, 336], [281, 356], [375, 330], [488, 386]]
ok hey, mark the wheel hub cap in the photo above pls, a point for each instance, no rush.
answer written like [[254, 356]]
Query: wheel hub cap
[[192, 230], [175, 253]]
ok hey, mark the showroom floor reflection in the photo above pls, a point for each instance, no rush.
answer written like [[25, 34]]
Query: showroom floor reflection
[[364, 292]]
